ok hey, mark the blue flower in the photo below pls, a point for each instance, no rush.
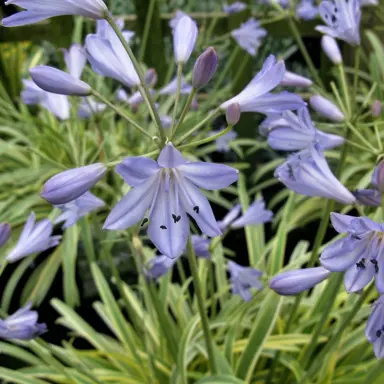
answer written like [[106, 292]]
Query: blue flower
[[291, 132], [75, 59], [292, 79], [368, 197], [178, 15], [35, 237], [222, 143], [249, 36], [235, 7], [89, 107], [360, 253], [184, 39], [326, 108], [243, 279], [374, 331], [164, 192], [307, 10], [5, 233], [255, 214], [308, 173], [171, 87], [22, 325]]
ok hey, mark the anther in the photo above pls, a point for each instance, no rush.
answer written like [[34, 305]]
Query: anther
[[196, 209], [163, 227], [144, 221]]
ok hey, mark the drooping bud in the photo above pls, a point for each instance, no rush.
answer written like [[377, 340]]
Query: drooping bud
[[326, 108], [55, 81], [378, 177], [205, 67], [376, 108], [233, 113], [331, 49], [184, 39], [5, 233], [69, 185], [293, 282], [151, 77], [368, 197], [294, 80]]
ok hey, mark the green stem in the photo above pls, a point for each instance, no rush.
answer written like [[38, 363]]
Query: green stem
[[200, 303], [87, 240], [344, 86], [179, 77], [147, 27], [304, 52], [356, 74], [3, 266], [184, 111], [361, 137]]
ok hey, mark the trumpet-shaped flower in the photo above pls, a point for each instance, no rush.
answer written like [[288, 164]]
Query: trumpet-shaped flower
[[343, 20], [255, 214], [243, 279], [74, 210], [307, 10], [5, 233], [184, 39], [89, 107], [249, 36], [256, 96], [171, 87], [35, 237], [307, 173], [235, 7], [58, 105], [75, 59], [105, 31], [291, 132], [38, 10], [164, 192], [368, 197], [22, 325], [360, 253], [374, 331], [326, 108]]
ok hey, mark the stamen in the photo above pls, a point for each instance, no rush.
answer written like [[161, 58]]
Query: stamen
[[163, 227], [145, 220], [175, 218], [374, 262], [378, 333], [196, 209]]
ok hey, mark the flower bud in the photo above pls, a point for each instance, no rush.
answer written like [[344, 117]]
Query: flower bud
[[368, 197], [326, 108], [378, 177], [55, 81], [376, 108], [5, 233], [331, 49], [151, 77], [205, 67], [233, 114], [294, 282], [69, 185], [184, 39], [291, 79]]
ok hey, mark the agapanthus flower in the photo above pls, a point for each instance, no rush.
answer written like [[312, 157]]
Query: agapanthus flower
[[294, 132], [292, 79], [75, 59], [5, 233], [164, 192], [233, 114], [35, 237], [22, 325], [105, 31], [326, 108], [166, 121], [171, 87], [364, 3], [368, 197], [342, 18], [178, 15], [235, 7], [230, 217], [243, 279], [307, 10], [89, 107], [222, 142], [256, 96], [184, 39], [282, 3], [374, 331], [331, 49], [294, 282], [38, 10], [376, 108], [58, 105], [249, 36], [255, 214], [151, 77], [205, 67], [360, 253], [378, 177], [76, 209], [307, 173]]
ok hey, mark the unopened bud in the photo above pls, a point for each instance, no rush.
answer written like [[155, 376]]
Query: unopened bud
[[291, 79], [5, 233], [368, 197], [205, 67], [233, 114], [331, 49], [378, 177], [326, 108], [151, 77], [376, 108]]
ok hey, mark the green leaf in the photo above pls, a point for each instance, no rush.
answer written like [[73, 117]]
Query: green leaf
[[17, 377], [221, 379]]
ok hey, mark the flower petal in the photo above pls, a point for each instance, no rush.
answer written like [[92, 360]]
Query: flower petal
[[136, 170], [170, 157], [356, 278]]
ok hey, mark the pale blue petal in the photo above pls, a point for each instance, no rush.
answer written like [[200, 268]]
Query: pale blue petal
[[136, 170], [170, 157]]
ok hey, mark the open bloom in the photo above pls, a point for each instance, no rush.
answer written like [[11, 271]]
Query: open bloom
[[74, 210], [75, 59], [58, 105], [368, 197], [360, 253], [35, 237], [342, 18], [230, 217], [164, 192], [171, 87], [38, 10], [291, 132], [105, 31], [89, 107], [307, 172], [374, 331], [249, 36], [294, 282], [235, 7], [255, 214], [243, 279], [307, 10], [256, 96], [326, 108], [22, 325], [184, 39], [222, 142]]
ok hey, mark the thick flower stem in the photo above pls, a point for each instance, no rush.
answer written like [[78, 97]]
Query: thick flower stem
[[200, 303], [184, 111]]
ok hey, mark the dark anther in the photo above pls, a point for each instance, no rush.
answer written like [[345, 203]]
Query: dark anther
[[163, 227], [336, 10], [175, 218], [334, 19], [374, 262], [361, 264], [378, 333], [144, 221], [196, 209]]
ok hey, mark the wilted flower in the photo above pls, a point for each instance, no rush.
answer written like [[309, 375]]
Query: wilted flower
[[205, 67], [75, 59], [55, 81], [249, 36], [58, 105], [255, 97], [291, 132], [171, 87], [255, 214], [184, 39], [164, 192], [69, 185], [342, 18], [374, 331], [243, 279], [291, 79], [378, 177], [222, 142], [39, 10], [178, 15], [232, 114], [359, 254], [5, 233], [368, 197], [230, 217], [89, 107], [307, 10], [376, 108], [22, 325], [235, 7], [326, 108], [331, 49], [294, 282], [74, 210], [307, 173], [35, 237]]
